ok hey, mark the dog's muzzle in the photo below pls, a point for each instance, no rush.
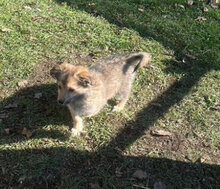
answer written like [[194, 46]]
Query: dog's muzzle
[[61, 101], [75, 97], [65, 101]]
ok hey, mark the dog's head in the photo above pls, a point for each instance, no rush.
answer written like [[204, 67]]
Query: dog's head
[[73, 82]]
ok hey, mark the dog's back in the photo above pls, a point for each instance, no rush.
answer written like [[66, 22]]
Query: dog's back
[[118, 72]]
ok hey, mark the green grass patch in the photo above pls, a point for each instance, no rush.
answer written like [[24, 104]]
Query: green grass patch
[[177, 92]]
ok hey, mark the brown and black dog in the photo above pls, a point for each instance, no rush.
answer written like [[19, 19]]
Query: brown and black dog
[[86, 90]]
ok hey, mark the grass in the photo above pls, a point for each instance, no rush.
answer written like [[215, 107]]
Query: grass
[[178, 92]]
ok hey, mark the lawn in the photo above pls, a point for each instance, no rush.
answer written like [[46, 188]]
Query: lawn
[[178, 92]]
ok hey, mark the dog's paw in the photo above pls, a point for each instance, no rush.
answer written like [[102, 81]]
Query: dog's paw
[[75, 132]]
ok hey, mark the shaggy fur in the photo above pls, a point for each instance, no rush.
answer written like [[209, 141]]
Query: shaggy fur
[[86, 90]]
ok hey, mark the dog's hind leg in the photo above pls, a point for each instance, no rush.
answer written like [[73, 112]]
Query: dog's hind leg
[[122, 96], [121, 104]]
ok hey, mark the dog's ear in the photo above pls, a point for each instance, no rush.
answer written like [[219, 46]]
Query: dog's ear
[[83, 77], [55, 72], [58, 70], [84, 81]]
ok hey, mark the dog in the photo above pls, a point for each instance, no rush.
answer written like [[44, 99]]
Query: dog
[[86, 90]]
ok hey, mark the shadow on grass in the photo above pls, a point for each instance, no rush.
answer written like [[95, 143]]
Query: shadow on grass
[[67, 167], [34, 113], [64, 167]]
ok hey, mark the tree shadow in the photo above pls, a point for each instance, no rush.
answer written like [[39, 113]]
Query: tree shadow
[[70, 168], [65, 167], [151, 113]]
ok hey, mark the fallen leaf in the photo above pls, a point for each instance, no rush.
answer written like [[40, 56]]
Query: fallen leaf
[[181, 6], [6, 30], [160, 132], [204, 158], [116, 31], [31, 3], [141, 10], [95, 186], [27, 7], [88, 34], [22, 83], [190, 3], [196, 134], [7, 130], [92, 4], [215, 4], [159, 185], [164, 16], [216, 108], [205, 9], [35, 17], [38, 95], [4, 115], [200, 18], [179, 121], [85, 41], [32, 38], [27, 133], [13, 105], [190, 56], [184, 60], [139, 174], [155, 104]]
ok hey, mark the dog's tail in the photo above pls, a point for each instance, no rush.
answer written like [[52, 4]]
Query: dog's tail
[[140, 59]]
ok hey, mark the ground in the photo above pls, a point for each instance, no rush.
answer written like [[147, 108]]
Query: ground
[[176, 94]]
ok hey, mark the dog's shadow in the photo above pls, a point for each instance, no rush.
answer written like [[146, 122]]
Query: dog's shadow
[[36, 109]]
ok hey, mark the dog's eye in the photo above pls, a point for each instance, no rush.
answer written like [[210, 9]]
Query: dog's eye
[[71, 90]]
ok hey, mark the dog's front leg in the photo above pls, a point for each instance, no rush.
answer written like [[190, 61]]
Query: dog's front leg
[[77, 123], [77, 126]]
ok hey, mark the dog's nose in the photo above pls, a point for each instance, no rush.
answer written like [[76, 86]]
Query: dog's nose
[[61, 101]]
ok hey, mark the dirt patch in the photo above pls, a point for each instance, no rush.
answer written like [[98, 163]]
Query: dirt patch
[[187, 148]]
